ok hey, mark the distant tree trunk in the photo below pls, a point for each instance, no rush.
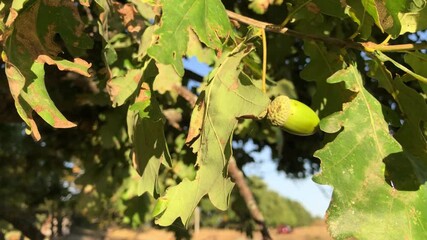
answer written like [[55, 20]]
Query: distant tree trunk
[[247, 195], [21, 220]]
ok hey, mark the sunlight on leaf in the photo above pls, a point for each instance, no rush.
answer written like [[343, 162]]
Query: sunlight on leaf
[[228, 96], [353, 164], [207, 19]]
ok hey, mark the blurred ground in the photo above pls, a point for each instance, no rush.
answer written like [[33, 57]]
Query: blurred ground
[[317, 231]]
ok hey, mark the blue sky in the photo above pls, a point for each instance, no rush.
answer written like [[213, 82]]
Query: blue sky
[[314, 197]]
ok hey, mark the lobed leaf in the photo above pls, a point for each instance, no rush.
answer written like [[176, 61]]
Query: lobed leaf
[[385, 14], [413, 19], [398, 17], [323, 63], [121, 88], [229, 95], [359, 15], [166, 80], [410, 172], [418, 61], [207, 18], [146, 130], [353, 164], [30, 45]]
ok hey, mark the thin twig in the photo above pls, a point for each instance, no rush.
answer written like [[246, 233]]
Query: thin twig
[[190, 97], [383, 58], [364, 46], [370, 46], [264, 60], [192, 75], [253, 22], [284, 30]]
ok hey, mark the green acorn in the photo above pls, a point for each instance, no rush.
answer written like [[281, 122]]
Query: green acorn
[[292, 116]]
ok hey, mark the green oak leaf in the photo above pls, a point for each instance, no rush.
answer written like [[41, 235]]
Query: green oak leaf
[[145, 123], [146, 41], [323, 63], [413, 21], [386, 14], [121, 88], [195, 48], [331, 8], [359, 15], [363, 203], [112, 131], [30, 45], [418, 62], [412, 173], [207, 18], [229, 95], [166, 80], [160, 206], [150, 149]]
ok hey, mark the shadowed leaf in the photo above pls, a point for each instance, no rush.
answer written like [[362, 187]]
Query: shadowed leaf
[[30, 45], [410, 170]]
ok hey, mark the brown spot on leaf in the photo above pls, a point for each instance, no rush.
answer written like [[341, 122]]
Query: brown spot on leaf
[[196, 121], [136, 79], [59, 121], [62, 65], [135, 164], [128, 12], [386, 20], [312, 7], [82, 62], [11, 18], [133, 29], [234, 85], [15, 80], [143, 93], [218, 53], [84, 3], [34, 130]]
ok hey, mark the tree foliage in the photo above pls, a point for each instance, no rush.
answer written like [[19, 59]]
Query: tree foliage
[[112, 74]]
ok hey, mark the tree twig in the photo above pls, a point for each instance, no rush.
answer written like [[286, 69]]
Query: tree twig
[[190, 97], [236, 174], [361, 46], [284, 30], [192, 75]]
